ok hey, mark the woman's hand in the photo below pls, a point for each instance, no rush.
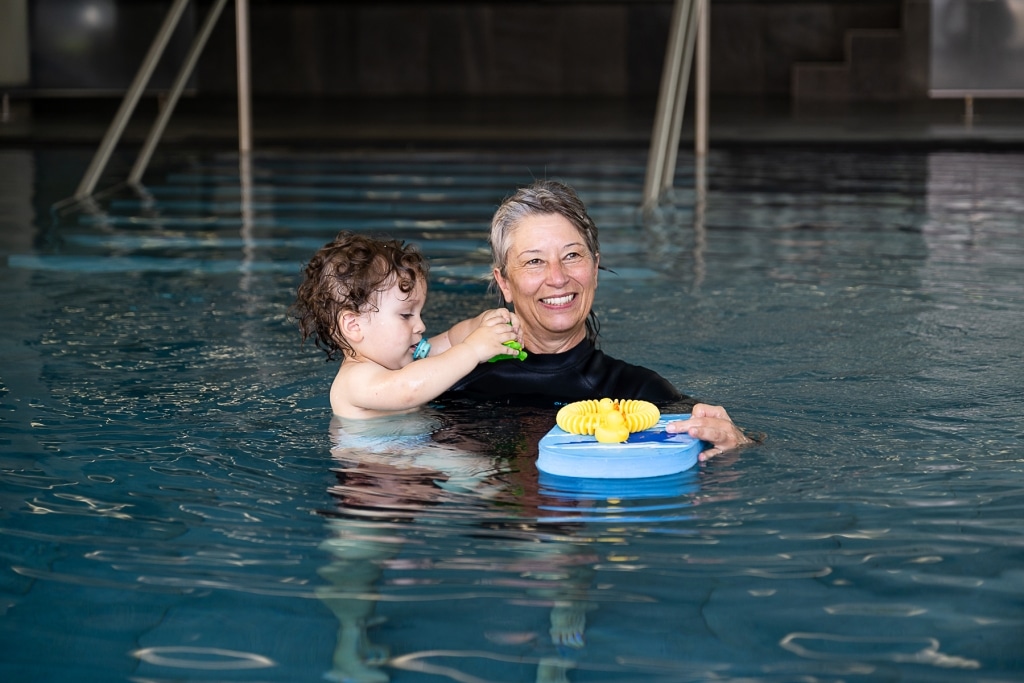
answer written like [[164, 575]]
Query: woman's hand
[[711, 424]]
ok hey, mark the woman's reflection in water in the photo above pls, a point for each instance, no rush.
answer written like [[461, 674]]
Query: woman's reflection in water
[[399, 475]]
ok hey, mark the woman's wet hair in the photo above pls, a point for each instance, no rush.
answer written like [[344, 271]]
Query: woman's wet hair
[[349, 274], [542, 197]]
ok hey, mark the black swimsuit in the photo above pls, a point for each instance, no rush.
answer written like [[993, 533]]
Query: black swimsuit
[[583, 372]]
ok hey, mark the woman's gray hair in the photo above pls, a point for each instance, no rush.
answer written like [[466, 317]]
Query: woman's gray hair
[[542, 197]]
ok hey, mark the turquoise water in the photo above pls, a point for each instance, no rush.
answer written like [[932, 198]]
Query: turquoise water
[[171, 509]]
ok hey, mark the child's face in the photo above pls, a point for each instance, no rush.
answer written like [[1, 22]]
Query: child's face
[[391, 333]]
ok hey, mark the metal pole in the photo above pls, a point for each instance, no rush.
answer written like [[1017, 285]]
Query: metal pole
[[666, 99], [703, 81], [244, 89], [157, 131], [248, 218], [131, 98], [700, 231], [668, 172]]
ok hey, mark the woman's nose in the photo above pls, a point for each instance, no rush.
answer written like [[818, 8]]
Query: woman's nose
[[556, 274]]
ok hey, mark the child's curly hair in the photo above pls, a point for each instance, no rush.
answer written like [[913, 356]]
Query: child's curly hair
[[348, 274]]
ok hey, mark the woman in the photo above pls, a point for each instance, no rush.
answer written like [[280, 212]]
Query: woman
[[546, 259]]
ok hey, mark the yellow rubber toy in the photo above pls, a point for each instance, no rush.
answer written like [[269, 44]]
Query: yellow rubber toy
[[607, 420]]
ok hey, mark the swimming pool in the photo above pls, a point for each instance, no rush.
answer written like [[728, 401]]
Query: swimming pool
[[171, 510]]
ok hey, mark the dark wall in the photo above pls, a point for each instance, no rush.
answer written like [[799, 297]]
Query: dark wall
[[609, 48], [501, 48], [754, 45]]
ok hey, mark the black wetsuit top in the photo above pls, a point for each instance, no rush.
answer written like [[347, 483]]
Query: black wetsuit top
[[583, 372]]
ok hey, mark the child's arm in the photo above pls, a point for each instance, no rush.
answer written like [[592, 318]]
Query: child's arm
[[458, 332], [369, 387]]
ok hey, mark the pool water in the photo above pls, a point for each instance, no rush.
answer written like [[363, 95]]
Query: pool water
[[176, 503]]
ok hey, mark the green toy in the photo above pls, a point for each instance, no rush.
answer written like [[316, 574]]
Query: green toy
[[512, 344]]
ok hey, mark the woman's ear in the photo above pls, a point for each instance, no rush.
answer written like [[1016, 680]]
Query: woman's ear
[[502, 283]]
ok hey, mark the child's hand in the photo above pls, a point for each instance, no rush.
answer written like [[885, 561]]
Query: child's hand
[[496, 327], [459, 332], [513, 320]]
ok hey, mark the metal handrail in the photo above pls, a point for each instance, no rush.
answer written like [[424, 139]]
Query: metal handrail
[[700, 118], [116, 129], [687, 17], [157, 131], [689, 26]]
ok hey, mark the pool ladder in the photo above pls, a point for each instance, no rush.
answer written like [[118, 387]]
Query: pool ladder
[[87, 186], [688, 33]]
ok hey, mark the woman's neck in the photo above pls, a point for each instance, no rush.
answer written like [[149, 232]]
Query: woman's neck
[[560, 344]]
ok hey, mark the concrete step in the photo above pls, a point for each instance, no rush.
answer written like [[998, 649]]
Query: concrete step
[[873, 69]]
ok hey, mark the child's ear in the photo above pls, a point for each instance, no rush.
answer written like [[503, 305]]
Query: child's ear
[[351, 326]]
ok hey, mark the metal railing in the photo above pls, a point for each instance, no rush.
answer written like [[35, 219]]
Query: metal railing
[[116, 129], [688, 33]]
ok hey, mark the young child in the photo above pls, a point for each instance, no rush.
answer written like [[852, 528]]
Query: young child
[[361, 299]]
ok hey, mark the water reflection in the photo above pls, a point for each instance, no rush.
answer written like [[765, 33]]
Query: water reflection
[[430, 512]]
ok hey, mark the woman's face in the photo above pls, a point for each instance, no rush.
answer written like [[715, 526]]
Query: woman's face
[[551, 281]]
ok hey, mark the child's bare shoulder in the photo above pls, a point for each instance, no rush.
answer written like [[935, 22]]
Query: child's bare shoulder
[[349, 372], [354, 376], [344, 389]]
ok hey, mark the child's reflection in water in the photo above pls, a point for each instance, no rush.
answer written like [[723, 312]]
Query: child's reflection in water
[[390, 472]]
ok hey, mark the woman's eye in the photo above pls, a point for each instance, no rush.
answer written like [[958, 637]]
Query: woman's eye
[[573, 256]]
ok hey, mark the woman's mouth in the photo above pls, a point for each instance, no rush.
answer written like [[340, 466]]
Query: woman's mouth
[[558, 300]]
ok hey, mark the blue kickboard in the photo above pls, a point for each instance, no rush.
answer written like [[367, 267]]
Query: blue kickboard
[[650, 453]]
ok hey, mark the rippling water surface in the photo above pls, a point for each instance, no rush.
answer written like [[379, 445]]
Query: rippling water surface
[[177, 505]]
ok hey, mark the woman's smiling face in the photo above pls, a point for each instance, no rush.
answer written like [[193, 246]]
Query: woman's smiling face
[[551, 280]]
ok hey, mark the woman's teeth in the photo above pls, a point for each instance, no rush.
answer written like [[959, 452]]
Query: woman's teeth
[[558, 300]]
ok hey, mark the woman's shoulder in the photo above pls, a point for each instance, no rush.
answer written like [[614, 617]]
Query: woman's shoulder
[[617, 378]]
